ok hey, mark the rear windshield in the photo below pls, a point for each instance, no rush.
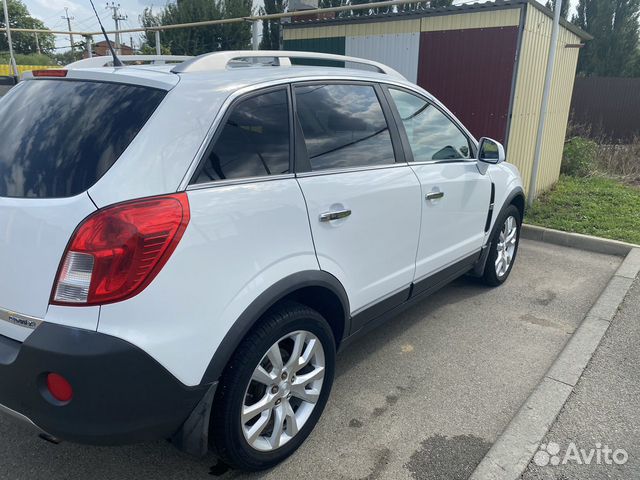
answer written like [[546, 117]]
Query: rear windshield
[[58, 137]]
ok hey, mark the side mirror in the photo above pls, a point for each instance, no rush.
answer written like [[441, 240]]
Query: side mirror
[[490, 151]]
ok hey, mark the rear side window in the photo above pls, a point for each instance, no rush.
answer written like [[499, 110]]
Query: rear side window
[[343, 126], [432, 135], [253, 142], [58, 137]]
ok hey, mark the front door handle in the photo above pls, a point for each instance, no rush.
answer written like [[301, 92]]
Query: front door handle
[[335, 215], [434, 195]]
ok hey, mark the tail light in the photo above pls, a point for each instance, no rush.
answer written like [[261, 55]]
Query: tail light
[[117, 251]]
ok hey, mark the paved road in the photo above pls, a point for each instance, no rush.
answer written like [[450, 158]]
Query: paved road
[[3, 90], [604, 407], [423, 397]]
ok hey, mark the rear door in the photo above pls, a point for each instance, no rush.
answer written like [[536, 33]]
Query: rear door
[[455, 195], [57, 138], [364, 206]]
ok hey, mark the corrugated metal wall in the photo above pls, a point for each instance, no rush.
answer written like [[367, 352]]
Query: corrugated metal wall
[[528, 98], [399, 51], [610, 105], [321, 44], [495, 18], [394, 43], [471, 72]]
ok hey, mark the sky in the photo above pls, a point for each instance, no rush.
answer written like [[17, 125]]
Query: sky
[[52, 11]]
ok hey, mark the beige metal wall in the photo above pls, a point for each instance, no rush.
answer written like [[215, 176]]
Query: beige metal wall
[[497, 18], [528, 98], [352, 30]]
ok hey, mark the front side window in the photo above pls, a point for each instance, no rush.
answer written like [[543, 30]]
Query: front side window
[[432, 135], [343, 126], [254, 140]]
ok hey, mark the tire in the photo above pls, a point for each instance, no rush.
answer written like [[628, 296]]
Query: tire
[[233, 437], [496, 274]]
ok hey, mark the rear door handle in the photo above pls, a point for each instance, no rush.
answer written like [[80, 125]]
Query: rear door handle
[[335, 215], [434, 195]]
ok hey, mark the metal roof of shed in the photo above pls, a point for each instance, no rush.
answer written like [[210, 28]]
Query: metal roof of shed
[[451, 10]]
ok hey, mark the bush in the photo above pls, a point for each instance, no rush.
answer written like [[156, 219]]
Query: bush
[[31, 59], [621, 160], [578, 157]]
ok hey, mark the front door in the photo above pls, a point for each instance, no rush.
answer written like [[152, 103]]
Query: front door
[[364, 207], [455, 195]]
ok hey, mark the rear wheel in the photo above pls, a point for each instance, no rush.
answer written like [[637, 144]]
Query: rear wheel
[[274, 389], [503, 248]]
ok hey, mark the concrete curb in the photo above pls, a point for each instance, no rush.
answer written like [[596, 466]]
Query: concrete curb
[[577, 240], [510, 455]]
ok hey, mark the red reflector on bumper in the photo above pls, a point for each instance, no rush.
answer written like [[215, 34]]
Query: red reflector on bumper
[[59, 387]]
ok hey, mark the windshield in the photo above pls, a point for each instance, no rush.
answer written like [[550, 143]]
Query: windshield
[[58, 137]]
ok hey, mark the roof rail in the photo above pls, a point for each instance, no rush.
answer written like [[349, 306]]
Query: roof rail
[[221, 60], [107, 61]]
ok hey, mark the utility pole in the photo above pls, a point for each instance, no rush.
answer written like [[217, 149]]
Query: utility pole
[[255, 40], [38, 45], [14, 67], [68, 19], [546, 93], [117, 18]]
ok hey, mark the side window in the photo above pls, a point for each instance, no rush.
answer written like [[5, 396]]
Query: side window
[[431, 134], [343, 126], [254, 140]]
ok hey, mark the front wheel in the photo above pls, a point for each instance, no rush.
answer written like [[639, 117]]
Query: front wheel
[[503, 248], [274, 389]]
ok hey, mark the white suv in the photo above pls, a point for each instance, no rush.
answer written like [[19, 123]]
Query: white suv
[[184, 247]]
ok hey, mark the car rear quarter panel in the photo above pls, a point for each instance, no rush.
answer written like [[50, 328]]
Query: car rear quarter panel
[[158, 158], [241, 240]]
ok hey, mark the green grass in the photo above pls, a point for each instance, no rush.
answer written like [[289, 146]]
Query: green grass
[[596, 205]]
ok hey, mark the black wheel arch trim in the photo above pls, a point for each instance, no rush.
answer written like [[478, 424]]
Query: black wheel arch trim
[[484, 255], [267, 299], [516, 192]]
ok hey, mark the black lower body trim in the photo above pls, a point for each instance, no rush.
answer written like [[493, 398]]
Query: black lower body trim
[[439, 279], [361, 319], [120, 394], [417, 292]]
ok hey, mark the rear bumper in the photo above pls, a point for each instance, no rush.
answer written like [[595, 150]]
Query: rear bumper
[[121, 395]]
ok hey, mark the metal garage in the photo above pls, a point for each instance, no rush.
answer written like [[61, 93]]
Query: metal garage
[[486, 62]]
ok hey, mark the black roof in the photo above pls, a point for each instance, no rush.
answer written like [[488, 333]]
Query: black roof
[[451, 10]]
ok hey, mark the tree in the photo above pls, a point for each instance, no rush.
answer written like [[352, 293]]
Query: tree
[[409, 7], [271, 28], [564, 9], [614, 26], [361, 12], [441, 3], [330, 3], [198, 40], [24, 43]]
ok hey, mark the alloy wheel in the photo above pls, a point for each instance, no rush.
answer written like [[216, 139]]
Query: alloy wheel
[[506, 246], [283, 391]]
